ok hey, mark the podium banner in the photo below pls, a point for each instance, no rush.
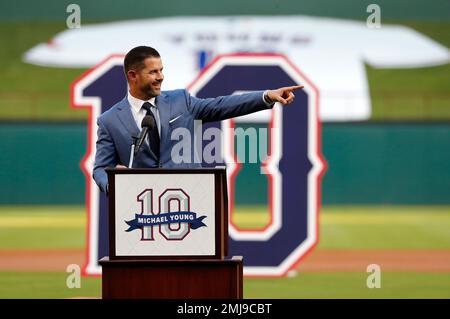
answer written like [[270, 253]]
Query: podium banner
[[158, 214]]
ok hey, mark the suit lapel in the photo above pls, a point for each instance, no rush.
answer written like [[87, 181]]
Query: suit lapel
[[126, 117], [163, 103]]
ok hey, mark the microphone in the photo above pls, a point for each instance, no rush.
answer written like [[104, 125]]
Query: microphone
[[148, 123]]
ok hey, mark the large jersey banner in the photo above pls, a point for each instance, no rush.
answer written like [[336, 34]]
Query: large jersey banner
[[291, 168]]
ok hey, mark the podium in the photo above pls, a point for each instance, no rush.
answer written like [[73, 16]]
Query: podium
[[168, 236]]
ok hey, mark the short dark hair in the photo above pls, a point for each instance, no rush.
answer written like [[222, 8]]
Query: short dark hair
[[136, 56]]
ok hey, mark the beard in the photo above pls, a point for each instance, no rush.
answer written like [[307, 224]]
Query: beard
[[150, 91]]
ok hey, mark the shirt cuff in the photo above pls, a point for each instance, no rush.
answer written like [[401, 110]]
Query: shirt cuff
[[265, 101]]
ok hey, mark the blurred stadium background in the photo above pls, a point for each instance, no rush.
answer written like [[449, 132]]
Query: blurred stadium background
[[385, 195]]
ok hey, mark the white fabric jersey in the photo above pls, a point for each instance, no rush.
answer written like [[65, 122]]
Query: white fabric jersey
[[330, 52]]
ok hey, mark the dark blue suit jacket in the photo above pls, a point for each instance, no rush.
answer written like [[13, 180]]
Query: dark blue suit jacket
[[177, 109]]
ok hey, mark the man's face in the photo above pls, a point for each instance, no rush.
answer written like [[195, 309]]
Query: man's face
[[148, 79]]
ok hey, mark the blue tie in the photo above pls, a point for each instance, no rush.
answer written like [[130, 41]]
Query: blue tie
[[153, 135]]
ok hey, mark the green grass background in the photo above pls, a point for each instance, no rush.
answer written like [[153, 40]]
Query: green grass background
[[39, 93], [352, 227]]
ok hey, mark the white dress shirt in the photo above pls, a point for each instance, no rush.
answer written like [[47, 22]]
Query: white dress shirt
[[139, 113]]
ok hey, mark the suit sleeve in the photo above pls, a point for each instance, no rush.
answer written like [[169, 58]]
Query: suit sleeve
[[225, 107], [105, 156]]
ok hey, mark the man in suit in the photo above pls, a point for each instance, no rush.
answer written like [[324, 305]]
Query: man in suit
[[169, 109]]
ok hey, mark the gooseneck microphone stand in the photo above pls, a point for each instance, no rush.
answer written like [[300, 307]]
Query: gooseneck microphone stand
[[130, 164]]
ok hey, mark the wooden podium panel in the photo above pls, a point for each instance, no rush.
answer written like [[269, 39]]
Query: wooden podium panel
[[172, 279]]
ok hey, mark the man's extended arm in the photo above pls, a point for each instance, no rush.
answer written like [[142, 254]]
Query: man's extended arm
[[225, 107]]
